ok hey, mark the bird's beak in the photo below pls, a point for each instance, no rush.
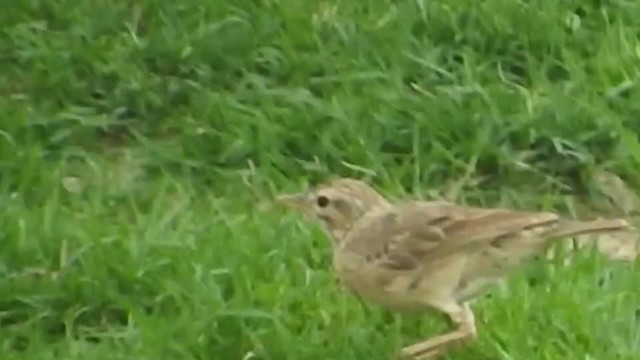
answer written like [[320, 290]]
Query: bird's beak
[[296, 201]]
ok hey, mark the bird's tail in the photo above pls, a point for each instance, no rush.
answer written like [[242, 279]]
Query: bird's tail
[[577, 227]]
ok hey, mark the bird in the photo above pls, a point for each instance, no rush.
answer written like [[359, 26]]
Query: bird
[[415, 255]]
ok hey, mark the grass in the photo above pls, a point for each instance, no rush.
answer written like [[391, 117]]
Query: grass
[[140, 143]]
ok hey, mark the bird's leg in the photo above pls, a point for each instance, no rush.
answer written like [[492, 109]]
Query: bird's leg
[[462, 317]]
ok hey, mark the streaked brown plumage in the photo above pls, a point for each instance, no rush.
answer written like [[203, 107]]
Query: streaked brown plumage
[[415, 255]]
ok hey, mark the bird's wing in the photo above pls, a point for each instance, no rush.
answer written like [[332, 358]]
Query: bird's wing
[[411, 235]]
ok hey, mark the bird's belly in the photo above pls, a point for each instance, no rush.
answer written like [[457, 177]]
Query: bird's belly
[[482, 272], [389, 289], [472, 288]]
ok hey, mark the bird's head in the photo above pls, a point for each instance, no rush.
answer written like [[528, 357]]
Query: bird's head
[[339, 204]]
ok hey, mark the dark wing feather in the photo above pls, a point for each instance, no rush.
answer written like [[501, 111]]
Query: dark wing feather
[[413, 234], [384, 238], [479, 228]]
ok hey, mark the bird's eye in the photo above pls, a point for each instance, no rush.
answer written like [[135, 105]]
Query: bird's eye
[[322, 201]]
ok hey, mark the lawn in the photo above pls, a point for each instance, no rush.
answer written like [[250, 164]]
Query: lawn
[[141, 144]]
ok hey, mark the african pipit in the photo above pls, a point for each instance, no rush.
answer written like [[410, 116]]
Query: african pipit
[[416, 255]]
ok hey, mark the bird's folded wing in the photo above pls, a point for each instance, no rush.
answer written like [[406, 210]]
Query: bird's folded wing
[[411, 235]]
